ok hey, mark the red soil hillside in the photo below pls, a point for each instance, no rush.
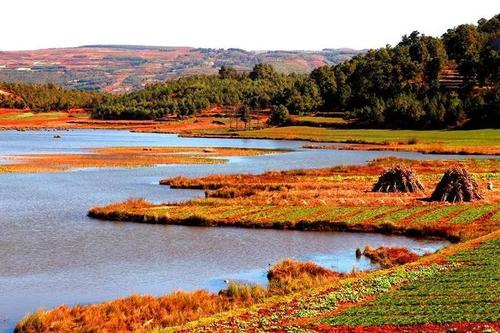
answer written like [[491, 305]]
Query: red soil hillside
[[121, 68]]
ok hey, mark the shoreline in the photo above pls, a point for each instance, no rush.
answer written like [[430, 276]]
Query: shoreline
[[222, 126], [259, 302], [306, 185], [319, 226], [348, 144], [124, 157]]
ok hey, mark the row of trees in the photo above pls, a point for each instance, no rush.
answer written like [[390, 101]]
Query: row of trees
[[262, 88], [45, 97]]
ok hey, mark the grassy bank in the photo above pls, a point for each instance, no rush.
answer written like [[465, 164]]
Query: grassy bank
[[455, 288], [141, 313], [22, 120], [482, 141]]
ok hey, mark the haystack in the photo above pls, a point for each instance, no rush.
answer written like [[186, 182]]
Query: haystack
[[398, 179], [456, 186]]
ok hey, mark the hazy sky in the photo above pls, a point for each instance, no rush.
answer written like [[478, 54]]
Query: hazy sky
[[248, 24]]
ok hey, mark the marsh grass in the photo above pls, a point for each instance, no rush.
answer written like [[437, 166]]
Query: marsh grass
[[290, 276], [125, 157], [143, 313], [388, 257]]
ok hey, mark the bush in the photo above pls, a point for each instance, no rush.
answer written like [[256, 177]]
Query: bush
[[290, 276], [389, 257], [279, 115]]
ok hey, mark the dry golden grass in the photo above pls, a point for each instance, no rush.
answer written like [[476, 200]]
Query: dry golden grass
[[131, 314], [389, 257], [290, 276], [142, 313], [123, 157]]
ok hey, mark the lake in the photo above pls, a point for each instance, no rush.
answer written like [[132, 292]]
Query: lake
[[51, 253]]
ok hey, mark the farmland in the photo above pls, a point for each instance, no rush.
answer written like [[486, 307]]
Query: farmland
[[455, 289], [122, 68], [327, 199], [423, 301]]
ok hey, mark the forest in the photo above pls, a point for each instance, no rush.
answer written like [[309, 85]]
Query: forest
[[421, 83], [45, 97]]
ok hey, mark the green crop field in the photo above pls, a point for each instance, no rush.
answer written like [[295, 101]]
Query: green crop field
[[468, 292], [484, 137]]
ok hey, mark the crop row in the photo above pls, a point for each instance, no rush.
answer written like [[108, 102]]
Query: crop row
[[447, 218], [470, 292]]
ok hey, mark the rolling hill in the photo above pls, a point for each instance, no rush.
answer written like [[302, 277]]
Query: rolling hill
[[123, 68]]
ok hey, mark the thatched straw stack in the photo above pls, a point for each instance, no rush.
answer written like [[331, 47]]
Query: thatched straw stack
[[398, 179], [456, 186]]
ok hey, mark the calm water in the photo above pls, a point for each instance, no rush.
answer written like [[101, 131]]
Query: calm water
[[51, 253]]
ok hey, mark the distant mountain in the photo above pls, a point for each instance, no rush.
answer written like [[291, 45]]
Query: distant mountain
[[122, 68]]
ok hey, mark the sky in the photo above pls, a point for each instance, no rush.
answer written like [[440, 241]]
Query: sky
[[246, 24]]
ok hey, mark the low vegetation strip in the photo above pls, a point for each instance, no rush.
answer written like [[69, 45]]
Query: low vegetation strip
[[366, 219], [473, 214], [433, 141], [437, 214], [124, 157]]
